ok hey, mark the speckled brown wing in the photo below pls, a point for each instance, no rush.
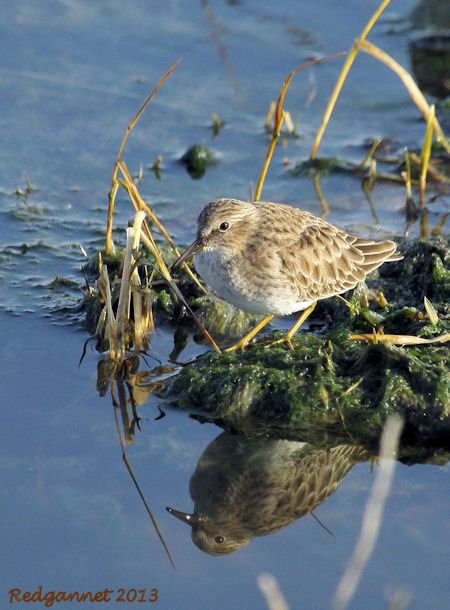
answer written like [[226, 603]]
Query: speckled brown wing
[[325, 261]]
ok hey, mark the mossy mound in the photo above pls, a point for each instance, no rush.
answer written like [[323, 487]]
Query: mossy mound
[[330, 388]]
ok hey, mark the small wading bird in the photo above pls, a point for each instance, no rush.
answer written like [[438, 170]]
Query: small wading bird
[[273, 259]]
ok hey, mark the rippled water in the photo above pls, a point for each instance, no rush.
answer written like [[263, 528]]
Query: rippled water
[[72, 76]]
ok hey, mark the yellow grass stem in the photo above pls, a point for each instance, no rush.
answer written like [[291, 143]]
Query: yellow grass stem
[[123, 308], [109, 246], [406, 175], [268, 159], [269, 115], [425, 157], [343, 75], [365, 162], [141, 323], [111, 325]]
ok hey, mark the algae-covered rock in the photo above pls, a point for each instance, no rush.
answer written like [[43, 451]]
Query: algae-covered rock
[[196, 159], [331, 388], [328, 387]]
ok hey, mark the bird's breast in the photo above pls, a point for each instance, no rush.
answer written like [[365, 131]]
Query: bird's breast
[[240, 283]]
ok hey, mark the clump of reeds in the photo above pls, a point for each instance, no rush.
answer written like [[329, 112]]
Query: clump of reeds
[[126, 319]]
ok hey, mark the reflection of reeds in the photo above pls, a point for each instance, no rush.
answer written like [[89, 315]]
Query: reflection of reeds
[[123, 442]]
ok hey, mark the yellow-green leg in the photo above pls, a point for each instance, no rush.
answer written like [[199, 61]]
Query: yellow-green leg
[[242, 343], [287, 338]]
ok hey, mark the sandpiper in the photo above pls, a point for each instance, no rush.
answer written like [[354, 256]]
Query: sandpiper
[[273, 259]]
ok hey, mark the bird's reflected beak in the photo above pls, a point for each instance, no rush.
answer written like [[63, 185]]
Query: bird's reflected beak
[[197, 246], [185, 517]]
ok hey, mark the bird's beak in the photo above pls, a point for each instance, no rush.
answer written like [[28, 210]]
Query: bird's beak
[[197, 246], [185, 517]]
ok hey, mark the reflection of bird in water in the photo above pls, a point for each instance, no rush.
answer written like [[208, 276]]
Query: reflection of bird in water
[[253, 487]]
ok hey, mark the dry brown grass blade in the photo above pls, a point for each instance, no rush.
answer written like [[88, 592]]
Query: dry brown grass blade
[[136, 484], [109, 248], [406, 78], [431, 312], [399, 339], [342, 76], [279, 118]]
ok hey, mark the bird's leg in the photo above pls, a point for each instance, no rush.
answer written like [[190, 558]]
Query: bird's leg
[[242, 343], [287, 338]]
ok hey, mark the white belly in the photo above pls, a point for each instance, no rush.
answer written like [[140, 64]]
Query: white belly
[[230, 282]]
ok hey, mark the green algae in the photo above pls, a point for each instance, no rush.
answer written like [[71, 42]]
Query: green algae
[[326, 386], [322, 166]]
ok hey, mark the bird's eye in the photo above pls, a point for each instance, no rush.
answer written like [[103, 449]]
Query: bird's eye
[[219, 539], [224, 226]]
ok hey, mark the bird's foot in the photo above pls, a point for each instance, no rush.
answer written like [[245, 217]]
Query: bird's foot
[[239, 345], [242, 343], [285, 339]]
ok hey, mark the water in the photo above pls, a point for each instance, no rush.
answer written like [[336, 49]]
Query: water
[[72, 76]]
